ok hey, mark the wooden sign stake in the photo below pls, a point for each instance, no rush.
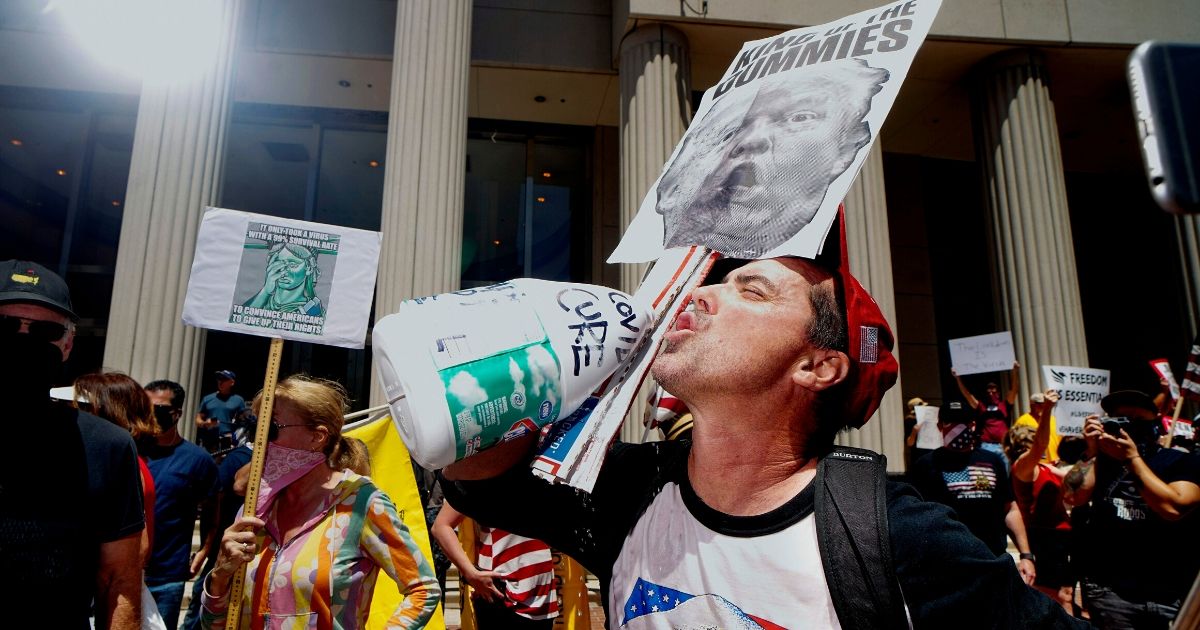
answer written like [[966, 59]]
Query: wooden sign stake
[[261, 432]]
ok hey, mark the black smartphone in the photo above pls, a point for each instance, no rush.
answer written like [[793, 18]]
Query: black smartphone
[[1166, 107]]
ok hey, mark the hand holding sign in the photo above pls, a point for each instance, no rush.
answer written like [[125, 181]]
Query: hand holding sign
[[982, 353]]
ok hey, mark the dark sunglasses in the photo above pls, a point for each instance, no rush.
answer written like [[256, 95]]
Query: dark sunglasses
[[49, 332], [273, 432]]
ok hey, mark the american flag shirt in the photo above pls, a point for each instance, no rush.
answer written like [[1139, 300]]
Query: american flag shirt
[[685, 567], [975, 484], [528, 569]]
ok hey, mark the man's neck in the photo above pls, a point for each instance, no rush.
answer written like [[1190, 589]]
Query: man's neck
[[749, 462], [170, 437]]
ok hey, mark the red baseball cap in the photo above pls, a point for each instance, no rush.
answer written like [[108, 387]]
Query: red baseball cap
[[873, 367]]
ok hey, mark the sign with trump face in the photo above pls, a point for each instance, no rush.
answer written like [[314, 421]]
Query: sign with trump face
[[776, 144]]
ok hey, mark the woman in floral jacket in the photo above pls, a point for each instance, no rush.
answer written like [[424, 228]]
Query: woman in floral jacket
[[324, 532]]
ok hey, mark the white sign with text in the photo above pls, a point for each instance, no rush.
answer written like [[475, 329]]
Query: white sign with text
[[1080, 390], [982, 353]]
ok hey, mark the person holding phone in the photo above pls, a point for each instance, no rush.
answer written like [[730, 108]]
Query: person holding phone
[[1143, 499]]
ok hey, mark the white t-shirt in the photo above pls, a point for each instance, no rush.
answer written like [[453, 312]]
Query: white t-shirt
[[686, 566]]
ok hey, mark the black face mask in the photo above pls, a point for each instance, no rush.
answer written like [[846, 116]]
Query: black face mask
[[29, 369], [165, 417]]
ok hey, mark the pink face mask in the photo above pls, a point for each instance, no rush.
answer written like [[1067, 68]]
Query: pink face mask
[[282, 467]]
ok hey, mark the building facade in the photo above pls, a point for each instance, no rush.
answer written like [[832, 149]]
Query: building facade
[[503, 138]]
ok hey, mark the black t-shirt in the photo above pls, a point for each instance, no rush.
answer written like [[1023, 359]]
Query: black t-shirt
[[975, 484], [1130, 548], [69, 482], [949, 578]]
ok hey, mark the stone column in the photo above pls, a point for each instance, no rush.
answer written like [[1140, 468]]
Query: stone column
[[175, 170], [871, 262], [655, 111], [1033, 259], [425, 176]]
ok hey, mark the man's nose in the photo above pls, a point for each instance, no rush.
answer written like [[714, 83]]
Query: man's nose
[[704, 299], [753, 140]]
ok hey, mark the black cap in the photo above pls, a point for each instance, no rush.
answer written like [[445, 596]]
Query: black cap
[[223, 375], [1127, 398], [31, 283]]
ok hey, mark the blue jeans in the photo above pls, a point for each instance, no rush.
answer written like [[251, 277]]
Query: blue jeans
[[169, 598], [191, 621]]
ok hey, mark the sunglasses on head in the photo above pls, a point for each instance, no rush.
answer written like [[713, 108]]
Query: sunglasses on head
[[41, 330], [273, 432]]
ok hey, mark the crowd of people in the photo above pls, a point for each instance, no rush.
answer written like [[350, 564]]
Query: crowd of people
[[749, 515], [1094, 518], [96, 525]]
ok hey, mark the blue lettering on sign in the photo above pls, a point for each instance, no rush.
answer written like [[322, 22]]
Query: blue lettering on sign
[[565, 432], [545, 409]]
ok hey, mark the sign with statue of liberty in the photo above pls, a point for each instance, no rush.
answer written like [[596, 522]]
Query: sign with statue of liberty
[[279, 282], [286, 278]]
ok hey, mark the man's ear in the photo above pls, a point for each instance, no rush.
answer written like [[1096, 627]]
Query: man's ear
[[821, 369]]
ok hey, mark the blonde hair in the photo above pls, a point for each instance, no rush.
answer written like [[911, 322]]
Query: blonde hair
[[323, 403], [118, 398], [1018, 440]]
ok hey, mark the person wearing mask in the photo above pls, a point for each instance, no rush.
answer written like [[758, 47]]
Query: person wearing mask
[[185, 476], [71, 504], [321, 531], [1143, 499], [993, 413]]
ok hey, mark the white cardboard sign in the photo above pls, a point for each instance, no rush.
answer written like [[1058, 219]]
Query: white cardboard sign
[[776, 143], [273, 277], [1080, 390], [982, 353], [929, 436]]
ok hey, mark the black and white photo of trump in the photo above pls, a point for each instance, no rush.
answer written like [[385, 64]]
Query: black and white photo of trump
[[755, 169]]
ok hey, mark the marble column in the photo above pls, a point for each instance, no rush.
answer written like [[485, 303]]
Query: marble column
[[871, 262], [1033, 260], [175, 171], [425, 176], [655, 111]]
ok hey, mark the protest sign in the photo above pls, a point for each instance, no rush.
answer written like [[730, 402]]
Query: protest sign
[[929, 436], [1163, 368], [982, 353], [274, 277], [1080, 390], [816, 97]]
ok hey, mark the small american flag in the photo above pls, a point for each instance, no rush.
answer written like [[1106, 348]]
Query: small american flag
[[1191, 377]]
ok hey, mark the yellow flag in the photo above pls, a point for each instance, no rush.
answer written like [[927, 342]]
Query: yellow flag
[[391, 470]]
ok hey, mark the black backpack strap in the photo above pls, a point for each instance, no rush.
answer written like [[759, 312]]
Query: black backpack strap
[[852, 535]]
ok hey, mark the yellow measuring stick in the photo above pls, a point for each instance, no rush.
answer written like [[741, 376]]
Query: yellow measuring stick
[[237, 585]]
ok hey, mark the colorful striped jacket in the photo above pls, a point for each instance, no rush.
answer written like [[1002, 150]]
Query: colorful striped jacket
[[323, 578]]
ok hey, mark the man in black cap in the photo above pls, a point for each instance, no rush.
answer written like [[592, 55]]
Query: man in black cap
[[1143, 500], [71, 510], [218, 411]]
